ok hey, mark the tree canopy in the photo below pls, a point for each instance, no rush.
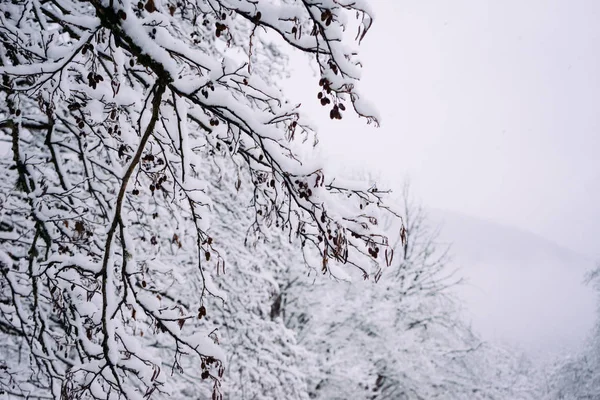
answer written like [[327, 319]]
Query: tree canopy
[[164, 224], [115, 113]]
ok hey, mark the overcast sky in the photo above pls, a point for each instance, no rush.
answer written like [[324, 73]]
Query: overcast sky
[[492, 108]]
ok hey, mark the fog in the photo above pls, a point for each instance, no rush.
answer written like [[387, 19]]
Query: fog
[[490, 109]]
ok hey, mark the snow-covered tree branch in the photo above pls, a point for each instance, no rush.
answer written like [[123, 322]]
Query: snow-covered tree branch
[[115, 113], [402, 337]]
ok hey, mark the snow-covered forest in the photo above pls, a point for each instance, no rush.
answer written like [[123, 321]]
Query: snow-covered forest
[[168, 228]]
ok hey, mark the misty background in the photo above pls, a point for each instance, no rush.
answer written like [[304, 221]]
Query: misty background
[[490, 110]]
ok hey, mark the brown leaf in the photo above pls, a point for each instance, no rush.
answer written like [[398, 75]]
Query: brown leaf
[[79, 227], [389, 256], [150, 6]]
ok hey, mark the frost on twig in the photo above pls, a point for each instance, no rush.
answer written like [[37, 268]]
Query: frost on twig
[[112, 110]]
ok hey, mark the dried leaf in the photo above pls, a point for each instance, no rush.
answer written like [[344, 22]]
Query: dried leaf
[[150, 6]]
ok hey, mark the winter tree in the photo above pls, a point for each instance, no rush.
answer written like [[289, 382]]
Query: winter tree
[[577, 376], [263, 355], [112, 112], [403, 337]]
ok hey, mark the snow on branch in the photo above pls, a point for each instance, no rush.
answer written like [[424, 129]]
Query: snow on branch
[[113, 110]]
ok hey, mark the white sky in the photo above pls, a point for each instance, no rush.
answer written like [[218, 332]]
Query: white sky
[[492, 108]]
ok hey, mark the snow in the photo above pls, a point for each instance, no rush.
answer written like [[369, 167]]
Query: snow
[[230, 250]]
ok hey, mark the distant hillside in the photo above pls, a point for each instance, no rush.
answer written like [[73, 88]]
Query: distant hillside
[[522, 289]]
